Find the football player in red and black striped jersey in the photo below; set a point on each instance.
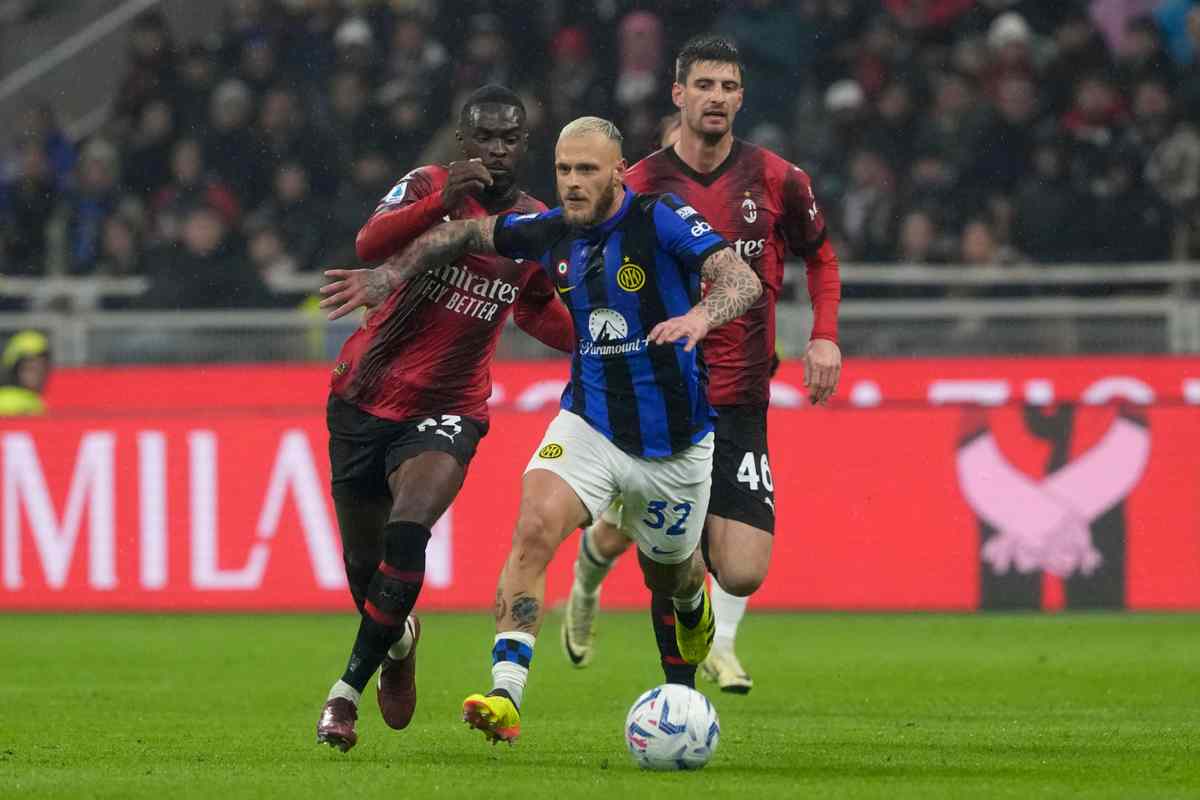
(408, 397)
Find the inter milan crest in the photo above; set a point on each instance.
(631, 277)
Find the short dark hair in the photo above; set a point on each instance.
(490, 94)
(706, 47)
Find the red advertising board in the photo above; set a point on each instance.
(950, 484)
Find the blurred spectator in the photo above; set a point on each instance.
(893, 131)
(204, 269)
(372, 175)
(920, 241)
(351, 123)
(933, 186)
(1047, 208)
(26, 364)
(868, 207)
(405, 129)
(198, 75)
(38, 123)
(487, 55)
(26, 206)
(270, 257)
(951, 127)
(1094, 124)
(1005, 141)
(1174, 172)
(246, 20)
(1079, 52)
(1131, 222)
(837, 132)
(230, 148)
(768, 33)
(574, 81)
(190, 185)
(151, 71)
(1142, 55)
(309, 52)
(979, 247)
(148, 155)
(418, 65)
(1010, 44)
(296, 213)
(258, 65)
(74, 237)
(284, 134)
(354, 48)
(641, 66)
(121, 247)
(924, 16)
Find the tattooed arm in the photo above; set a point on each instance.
(733, 288)
(352, 288)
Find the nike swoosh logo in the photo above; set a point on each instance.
(561, 290)
(571, 654)
(655, 549)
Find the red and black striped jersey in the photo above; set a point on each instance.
(441, 363)
(763, 205)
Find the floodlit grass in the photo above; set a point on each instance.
(1095, 706)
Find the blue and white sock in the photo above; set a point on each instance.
(511, 655)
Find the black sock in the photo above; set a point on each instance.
(390, 598)
(662, 617)
(358, 574)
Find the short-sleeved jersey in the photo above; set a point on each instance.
(762, 205)
(619, 279)
(442, 363)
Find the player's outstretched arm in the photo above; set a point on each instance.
(353, 288)
(733, 288)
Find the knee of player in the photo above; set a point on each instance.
(741, 582)
(534, 539)
(414, 509)
(607, 541)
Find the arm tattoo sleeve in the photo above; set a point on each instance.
(733, 287)
(442, 245)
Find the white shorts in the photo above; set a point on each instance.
(665, 499)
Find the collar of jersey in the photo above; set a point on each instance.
(606, 227)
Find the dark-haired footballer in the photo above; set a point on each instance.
(764, 206)
(408, 397)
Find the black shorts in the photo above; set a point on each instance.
(365, 449)
(743, 488)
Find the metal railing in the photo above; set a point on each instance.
(1160, 315)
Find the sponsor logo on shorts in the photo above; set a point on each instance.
(552, 450)
(631, 277)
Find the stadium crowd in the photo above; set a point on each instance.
(936, 131)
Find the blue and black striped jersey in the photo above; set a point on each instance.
(620, 279)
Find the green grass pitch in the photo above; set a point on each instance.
(845, 706)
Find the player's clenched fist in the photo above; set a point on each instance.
(464, 178)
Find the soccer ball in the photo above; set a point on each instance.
(672, 727)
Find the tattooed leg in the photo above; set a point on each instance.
(550, 511)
